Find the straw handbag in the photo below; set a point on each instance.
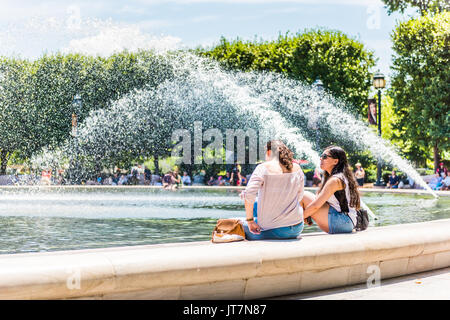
(228, 230)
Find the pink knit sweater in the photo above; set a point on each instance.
(278, 197)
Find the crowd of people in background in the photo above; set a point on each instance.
(232, 176)
(172, 179)
(441, 179)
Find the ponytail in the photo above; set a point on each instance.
(285, 155)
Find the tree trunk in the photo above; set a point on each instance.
(437, 157)
(98, 168)
(4, 157)
(156, 165)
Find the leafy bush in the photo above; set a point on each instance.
(309, 173)
(342, 63)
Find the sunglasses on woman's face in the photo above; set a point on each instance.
(324, 156)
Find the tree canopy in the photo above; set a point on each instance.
(36, 97)
(420, 84)
(422, 6)
(342, 63)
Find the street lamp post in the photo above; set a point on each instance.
(379, 83)
(77, 105)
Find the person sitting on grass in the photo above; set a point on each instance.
(211, 181)
(227, 179)
(168, 181)
(359, 174)
(441, 170)
(243, 181)
(446, 182)
(176, 179)
(186, 179)
(324, 208)
(436, 182)
(394, 180)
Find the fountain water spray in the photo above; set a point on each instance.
(292, 95)
(260, 95)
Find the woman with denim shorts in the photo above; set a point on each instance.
(324, 208)
(272, 196)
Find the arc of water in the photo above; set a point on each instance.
(241, 96)
(343, 124)
(239, 93)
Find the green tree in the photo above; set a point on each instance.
(422, 6)
(36, 97)
(342, 63)
(56, 79)
(14, 131)
(421, 82)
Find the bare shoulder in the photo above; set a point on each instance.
(335, 183)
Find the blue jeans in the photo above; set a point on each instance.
(339, 222)
(290, 232)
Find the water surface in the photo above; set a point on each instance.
(49, 219)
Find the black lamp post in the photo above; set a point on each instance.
(379, 83)
(77, 105)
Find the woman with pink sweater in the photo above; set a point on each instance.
(272, 196)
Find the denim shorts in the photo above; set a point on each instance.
(339, 222)
(290, 232)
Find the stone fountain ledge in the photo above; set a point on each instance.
(362, 190)
(240, 270)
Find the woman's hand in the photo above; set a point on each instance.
(308, 221)
(253, 227)
(330, 187)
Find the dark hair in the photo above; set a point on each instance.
(344, 167)
(285, 155)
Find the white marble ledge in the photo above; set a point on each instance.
(240, 270)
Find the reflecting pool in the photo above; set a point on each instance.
(50, 219)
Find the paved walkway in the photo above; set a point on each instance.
(431, 285)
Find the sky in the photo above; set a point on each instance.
(30, 28)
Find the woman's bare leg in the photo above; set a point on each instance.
(321, 215)
(308, 197)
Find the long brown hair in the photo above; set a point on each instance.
(343, 166)
(285, 155)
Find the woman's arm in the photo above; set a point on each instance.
(252, 225)
(250, 193)
(301, 190)
(332, 185)
(254, 184)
